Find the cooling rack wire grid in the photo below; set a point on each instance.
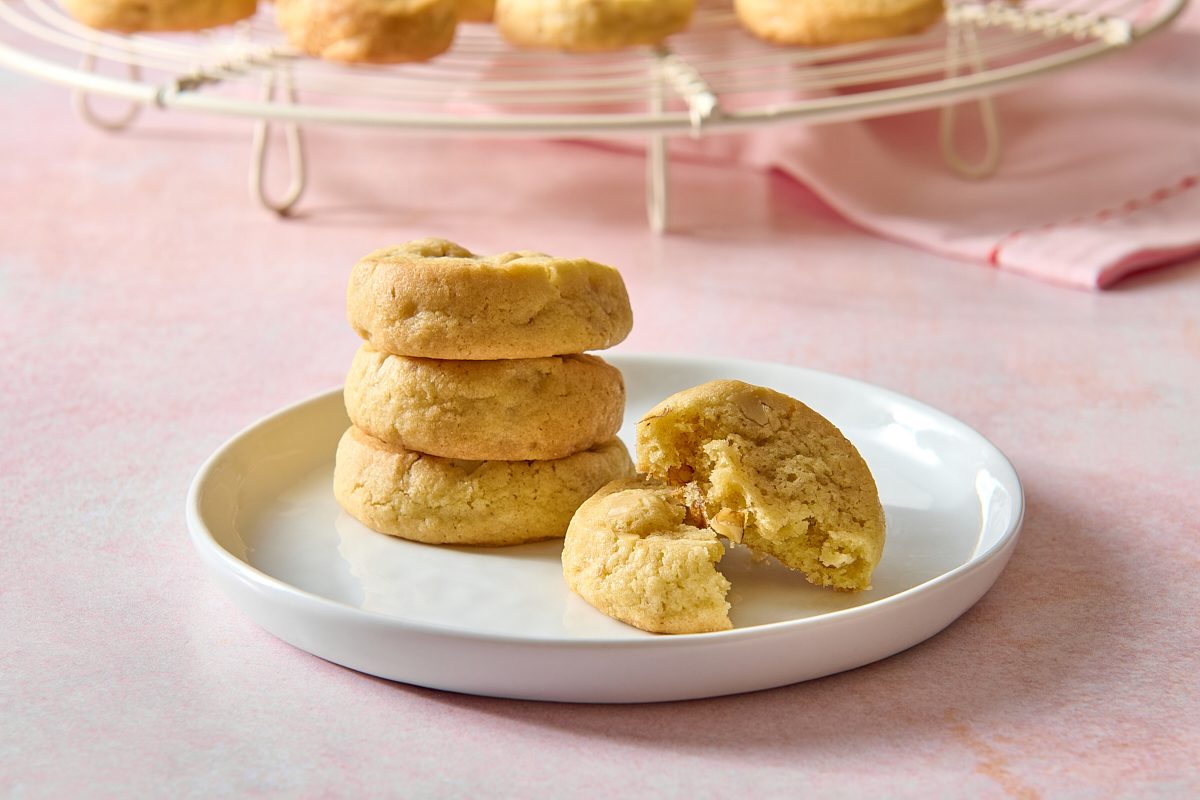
(712, 78)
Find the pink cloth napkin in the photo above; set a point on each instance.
(1100, 174)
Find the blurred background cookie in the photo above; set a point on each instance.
(133, 16)
(590, 25)
(476, 10)
(449, 501)
(516, 409)
(369, 31)
(434, 299)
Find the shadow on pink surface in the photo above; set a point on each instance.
(1012, 675)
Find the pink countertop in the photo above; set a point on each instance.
(148, 310)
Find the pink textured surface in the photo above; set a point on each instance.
(148, 310)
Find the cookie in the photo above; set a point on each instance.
(510, 410)
(476, 10)
(433, 299)
(590, 25)
(767, 471)
(133, 16)
(631, 554)
(823, 22)
(369, 31)
(449, 501)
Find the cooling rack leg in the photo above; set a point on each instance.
(657, 186)
(81, 100)
(293, 138)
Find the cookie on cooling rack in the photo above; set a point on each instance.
(431, 298)
(369, 31)
(590, 25)
(764, 470)
(508, 409)
(825, 22)
(135, 16)
(476, 10)
(486, 503)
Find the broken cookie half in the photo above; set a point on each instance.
(764, 469)
(726, 459)
(630, 552)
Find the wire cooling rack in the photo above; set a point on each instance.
(712, 78)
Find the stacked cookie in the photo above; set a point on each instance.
(477, 419)
(822, 22)
(476, 10)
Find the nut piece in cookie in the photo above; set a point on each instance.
(590, 25)
(827, 22)
(764, 469)
(369, 31)
(434, 299)
(631, 554)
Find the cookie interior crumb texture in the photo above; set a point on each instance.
(765, 470)
(630, 552)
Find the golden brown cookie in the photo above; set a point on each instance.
(133, 16)
(767, 471)
(590, 25)
(369, 31)
(476, 10)
(448, 501)
(630, 553)
(433, 299)
(823, 22)
(509, 410)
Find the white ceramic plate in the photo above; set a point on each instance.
(502, 622)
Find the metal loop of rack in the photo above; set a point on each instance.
(711, 79)
(294, 139)
(81, 99)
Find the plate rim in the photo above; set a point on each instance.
(208, 547)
